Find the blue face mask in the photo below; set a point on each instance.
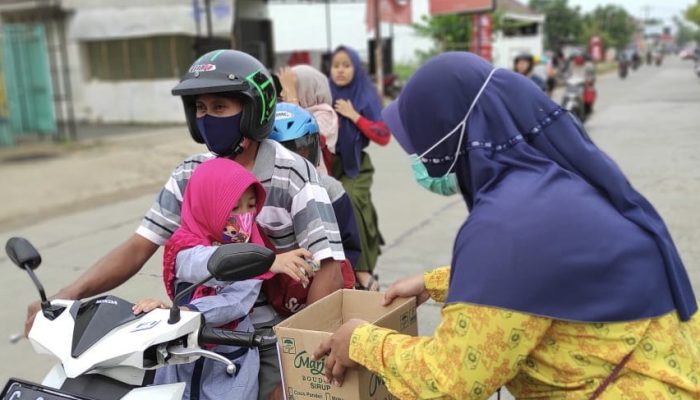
(445, 185)
(221, 134)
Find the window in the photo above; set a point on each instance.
(139, 58)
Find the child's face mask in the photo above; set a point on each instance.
(238, 228)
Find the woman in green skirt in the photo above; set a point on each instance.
(359, 108)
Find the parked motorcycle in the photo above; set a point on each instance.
(104, 350)
(392, 86)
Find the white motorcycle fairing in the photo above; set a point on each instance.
(120, 354)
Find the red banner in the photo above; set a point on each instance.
(391, 11)
(482, 29)
(460, 6)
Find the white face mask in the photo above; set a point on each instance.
(461, 127)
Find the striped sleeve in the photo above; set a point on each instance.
(315, 223)
(298, 212)
(163, 218)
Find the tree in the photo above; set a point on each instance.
(450, 32)
(613, 23)
(563, 24)
(685, 33)
(692, 13)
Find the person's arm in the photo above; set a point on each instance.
(288, 81)
(112, 270)
(375, 131)
(124, 261)
(120, 264)
(347, 224)
(475, 350)
(316, 229)
(436, 283)
(234, 301)
(327, 280)
(192, 265)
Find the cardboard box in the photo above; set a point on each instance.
(299, 335)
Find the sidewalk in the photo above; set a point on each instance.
(90, 172)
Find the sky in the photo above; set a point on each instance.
(664, 9)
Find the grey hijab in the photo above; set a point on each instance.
(312, 86)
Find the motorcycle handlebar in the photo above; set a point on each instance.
(209, 335)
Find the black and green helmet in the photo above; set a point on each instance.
(231, 72)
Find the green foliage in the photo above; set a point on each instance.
(613, 23)
(563, 24)
(685, 33)
(692, 13)
(449, 32)
(404, 71)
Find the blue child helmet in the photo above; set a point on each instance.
(297, 130)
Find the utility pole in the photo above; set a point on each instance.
(378, 50)
(329, 42)
(207, 5)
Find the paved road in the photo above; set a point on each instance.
(647, 123)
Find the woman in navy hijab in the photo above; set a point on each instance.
(359, 108)
(564, 283)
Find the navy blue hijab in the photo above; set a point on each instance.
(555, 229)
(363, 96)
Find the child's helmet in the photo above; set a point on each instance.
(297, 130)
(231, 72)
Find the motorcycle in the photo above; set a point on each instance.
(104, 351)
(579, 97)
(697, 67)
(658, 58)
(636, 61)
(622, 68)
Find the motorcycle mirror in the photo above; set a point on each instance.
(25, 256)
(240, 261)
(22, 253)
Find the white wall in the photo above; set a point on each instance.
(131, 102)
(296, 27)
(506, 48)
(303, 27)
(142, 101)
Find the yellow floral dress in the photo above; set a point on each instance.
(477, 349)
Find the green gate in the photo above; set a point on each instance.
(28, 97)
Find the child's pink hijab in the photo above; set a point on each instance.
(211, 193)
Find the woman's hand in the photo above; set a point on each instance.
(345, 108)
(413, 286)
(337, 348)
(288, 80)
(294, 264)
(147, 305)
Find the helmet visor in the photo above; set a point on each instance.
(307, 146)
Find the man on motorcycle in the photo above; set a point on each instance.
(582, 73)
(297, 215)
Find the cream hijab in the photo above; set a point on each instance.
(314, 94)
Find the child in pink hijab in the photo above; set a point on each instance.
(219, 207)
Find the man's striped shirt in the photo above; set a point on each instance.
(297, 211)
